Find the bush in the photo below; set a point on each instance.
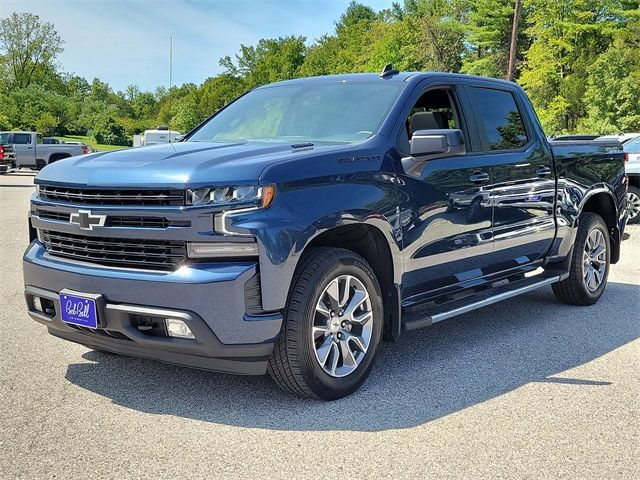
(109, 132)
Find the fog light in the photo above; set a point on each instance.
(177, 328)
(222, 250)
(37, 304)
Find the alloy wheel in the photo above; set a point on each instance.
(633, 205)
(342, 325)
(594, 265)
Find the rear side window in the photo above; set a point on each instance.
(21, 139)
(500, 121)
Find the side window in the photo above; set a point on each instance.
(21, 139)
(435, 109)
(39, 139)
(500, 121)
(633, 146)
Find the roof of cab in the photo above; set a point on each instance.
(397, 78)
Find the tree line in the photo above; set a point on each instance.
(579, 61)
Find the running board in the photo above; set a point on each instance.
(425, 317)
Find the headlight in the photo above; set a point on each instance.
(242, 195)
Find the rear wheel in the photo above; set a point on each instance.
(589, 263)
(333, 325)
(633, 204)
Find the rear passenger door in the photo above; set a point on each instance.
(523, 191)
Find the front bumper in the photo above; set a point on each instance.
(210, 298)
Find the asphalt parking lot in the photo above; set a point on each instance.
(526, 388)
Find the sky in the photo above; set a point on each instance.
(126, 42)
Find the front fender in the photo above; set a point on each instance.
(304, 210)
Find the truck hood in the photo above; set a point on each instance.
(177, 165)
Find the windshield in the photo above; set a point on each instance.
(330, 112)
(4, 138)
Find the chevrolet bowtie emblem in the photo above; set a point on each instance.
(86, 220)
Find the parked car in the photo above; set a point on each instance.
(29, 150)
(632, 149)
(309, 219)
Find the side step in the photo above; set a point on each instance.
(424, 316)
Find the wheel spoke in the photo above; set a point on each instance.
(357, 341)
(322, 309)
(324, 350)
(346, 292)
(599, 250)
(334, 358)
(597, 277)
(333, 292)
(358, 299)
(362, 318)
(319, 330)
(348, 360)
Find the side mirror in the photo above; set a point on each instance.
(442, 142)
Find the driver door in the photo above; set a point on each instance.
(446, 212)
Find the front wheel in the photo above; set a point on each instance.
(589, 263)
(333, 326)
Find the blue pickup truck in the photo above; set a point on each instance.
(310, 219)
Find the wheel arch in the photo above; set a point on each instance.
(54, 157)
(368, 241)
(602, 202)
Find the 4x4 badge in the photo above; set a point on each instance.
(86, 220)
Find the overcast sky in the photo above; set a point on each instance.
(126, 42)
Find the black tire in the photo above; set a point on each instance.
(633, 192)
(475, 210)
(573, 290)
(294, 365)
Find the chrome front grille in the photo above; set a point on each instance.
(93, 196)
(162, 255)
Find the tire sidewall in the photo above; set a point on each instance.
(321, 382)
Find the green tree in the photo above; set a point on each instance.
(108, 131)
(47, 124)
(29, 48)
(613, 90)
(489, 36)
(269, 61)
(186, 116)
(567, 38)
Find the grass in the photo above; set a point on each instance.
(91, 142)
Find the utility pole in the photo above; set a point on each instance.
(514, 41)
(170, 79)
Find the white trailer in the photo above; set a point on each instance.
(154, 137)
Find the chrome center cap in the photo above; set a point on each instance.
(334, 326)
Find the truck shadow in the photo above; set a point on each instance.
(425, 375)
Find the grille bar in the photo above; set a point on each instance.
(113, 196)
(132, 253)
(112, 221)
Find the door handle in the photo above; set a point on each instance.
(543, 171)
(29, 148)
(479, 177)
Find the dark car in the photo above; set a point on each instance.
(308, 220)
